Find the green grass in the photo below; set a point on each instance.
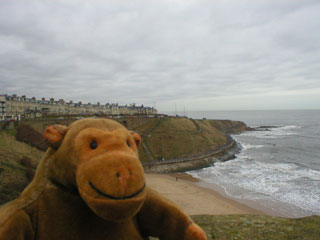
(179, 137)
(11, 132)
(252, 227)
(167, 138)
(13, 176)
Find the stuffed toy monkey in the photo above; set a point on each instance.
(90, 185)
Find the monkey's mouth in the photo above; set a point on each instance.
(114, 197)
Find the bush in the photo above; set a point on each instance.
(30, 136)
(26, 162)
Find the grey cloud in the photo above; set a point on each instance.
(158, 51)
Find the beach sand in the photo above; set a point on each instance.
(183, 190)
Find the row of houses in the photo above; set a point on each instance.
(17, 107)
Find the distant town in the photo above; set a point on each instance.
(17, 107)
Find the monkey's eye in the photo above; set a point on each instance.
(128, 143)
(93, 144)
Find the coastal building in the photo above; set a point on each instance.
(17, 107)
(2, 107)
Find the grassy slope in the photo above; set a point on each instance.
(259, 227)
(171, 133)
(171, 137)
(253, 227)
(168, 138)
(179, 137)
(13, 175)
(227, 126)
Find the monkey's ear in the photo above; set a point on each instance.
(54, 135)
(136, 137)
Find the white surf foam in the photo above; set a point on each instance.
(257, 174)
(287, 183)
(248, 146)
(276, 132)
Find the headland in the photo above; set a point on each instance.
(171, 141)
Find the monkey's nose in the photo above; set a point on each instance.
(123, 176)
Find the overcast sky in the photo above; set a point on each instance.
(201, 54)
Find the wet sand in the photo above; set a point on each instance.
(194, 199)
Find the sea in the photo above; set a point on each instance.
(278, 167)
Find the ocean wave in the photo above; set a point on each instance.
(290, 127)
(248, 146)
(273, 132)
(287, 183)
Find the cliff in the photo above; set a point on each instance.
(228, 126)
(191, 143)
(176, 138)
(169, 138)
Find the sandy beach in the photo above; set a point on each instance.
(193, 199)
